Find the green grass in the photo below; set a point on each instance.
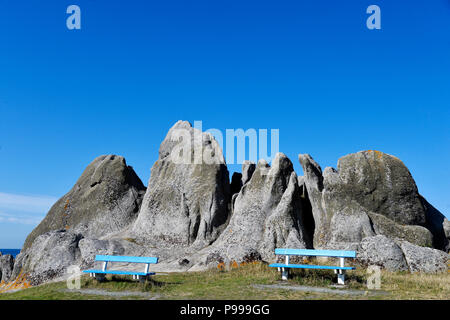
(238, 284)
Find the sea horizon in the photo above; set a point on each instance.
(13, 252)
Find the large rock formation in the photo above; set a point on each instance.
(105, 200)
(267, 214)
(370, 193)
(49, 256)
(192, 219)
(421, 259)
(187, 199)
(381, 251)
(396, 254)
(381, 183)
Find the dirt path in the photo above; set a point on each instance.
(117, 294)
(320, 290)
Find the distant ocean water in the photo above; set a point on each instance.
(13, 252)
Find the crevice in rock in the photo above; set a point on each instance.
(307, 216)
(95, 183)
(236, 183)
(434, 220)
(372, 227)
(195, 229)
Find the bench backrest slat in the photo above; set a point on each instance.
(126, 259)
(321, 253)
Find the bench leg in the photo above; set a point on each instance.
(142, 279)
(284, 273)
(341, 277)
(341, 273)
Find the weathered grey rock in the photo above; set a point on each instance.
(49, 256)
(105, 199)
(192, 219)
(370, 193)
(18, 262)
(421, 259)
(381, 251)
(267, 214)
(381, 183)
(446, 227)
(285, 227)
(349, 227)
(233, 200)
(186, 202)
(435, 222)
(248, 168)
(313, 181)
(301, 181)
(89, 248)
(415, 234)
(340, 222)
(397, 254)
(6, 267)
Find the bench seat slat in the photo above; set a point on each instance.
(122, 272)
(126, 259)
(309, 266)
(321, 253)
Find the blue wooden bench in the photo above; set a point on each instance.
(340, 270)
(142, 276)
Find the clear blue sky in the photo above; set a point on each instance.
(308, 68)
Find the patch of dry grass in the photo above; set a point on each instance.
(238, 283)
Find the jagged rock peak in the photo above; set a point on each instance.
(267, 214)
(185, 144)
(104, 200)
(248, 168)
(383, 184)
(370, 193)
(187, 199)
